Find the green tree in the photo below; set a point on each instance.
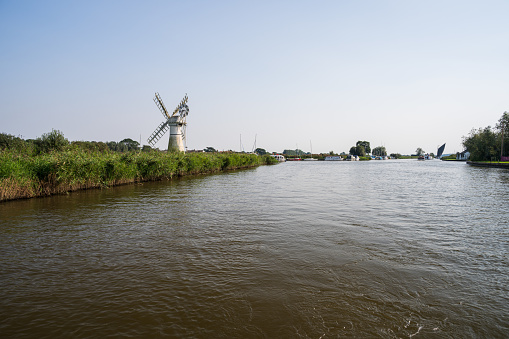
(503, 129)
(503, 122)
(379, 151)
(112, 145)
(358, 150)
(292, 152)
(366, 145)
(210, 149)
(260, 151)
(419, 151)
(129, 144)
(482, 144)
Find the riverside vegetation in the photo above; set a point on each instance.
(53, 165)
(489, 144)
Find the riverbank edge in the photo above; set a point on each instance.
(27, 187)
(488, 164)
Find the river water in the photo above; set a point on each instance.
(389, 249)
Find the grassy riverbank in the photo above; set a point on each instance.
(27, 176)
(501, 164)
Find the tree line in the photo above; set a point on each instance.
(489, 143)
(55, 141)
(362, 148)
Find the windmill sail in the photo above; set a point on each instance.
(160, 105)
(440, 151)
(158, 133)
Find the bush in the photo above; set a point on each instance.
(48, 142)
(90, 146)
(11, 143)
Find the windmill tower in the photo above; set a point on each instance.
(176, 123)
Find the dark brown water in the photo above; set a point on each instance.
(390, 249)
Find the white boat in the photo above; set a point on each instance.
(278, 157)
(352, 158)
(425, 157)
(333, 158)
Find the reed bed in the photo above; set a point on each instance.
(27, 176)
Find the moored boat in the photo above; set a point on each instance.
(278, 157)
(425, 157)
(310, 158)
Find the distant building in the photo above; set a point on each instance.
(463, 155)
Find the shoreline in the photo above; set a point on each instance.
(27, 177)
(488, 164)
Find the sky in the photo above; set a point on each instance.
(313, 75)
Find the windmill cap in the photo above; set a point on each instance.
(175, 118)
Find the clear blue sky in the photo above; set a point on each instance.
(403, 74)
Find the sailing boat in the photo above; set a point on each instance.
(440, 151)
(310, 159)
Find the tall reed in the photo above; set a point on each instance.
(26, 176)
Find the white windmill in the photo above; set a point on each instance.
(176, 123)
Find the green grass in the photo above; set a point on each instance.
(25, 176)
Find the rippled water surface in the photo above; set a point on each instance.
(390, 249)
